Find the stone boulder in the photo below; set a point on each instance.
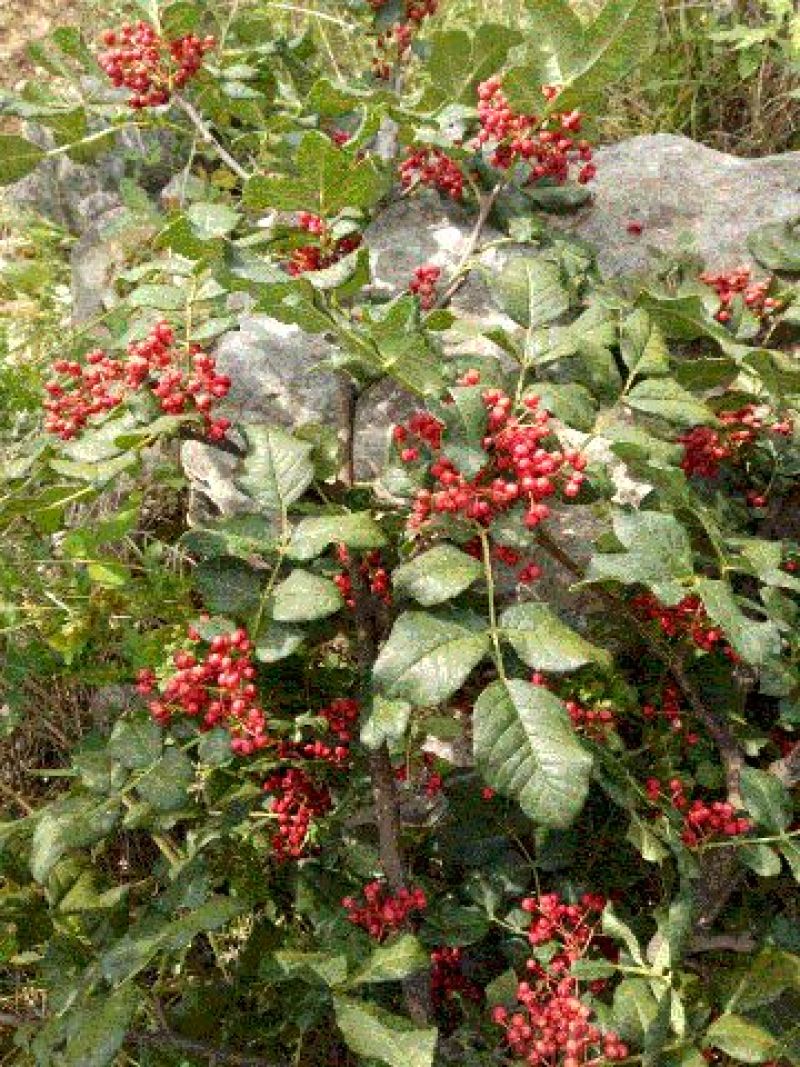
(685, 196)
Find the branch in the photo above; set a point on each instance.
(206, 135)
(460, 274)
(225, 444)
(787, 769)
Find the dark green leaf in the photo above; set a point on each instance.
(305, 597)
(544, 642)
(526, 748)
(376, 1034)
(437, 575)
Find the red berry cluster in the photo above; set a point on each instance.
(215, 687)
(686, 620)
(552, 1026)
(423, 285)
(669, 709)
(433, 167)
(372, 569)
(328, 251)
(382, 913)
(738, 282)
(152, 67)
(448, 981)
(340, 715)
(181, 379)
(596, 723)
(81, 392)
(527, 573)
(296, 801)
(429, 779)
(546, 144)
(400, 36)
(519, 469)
(701, 821)
(705, 448)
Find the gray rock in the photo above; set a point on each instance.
(677, 189)
(99, 255)
(74, 195)
(684, 195)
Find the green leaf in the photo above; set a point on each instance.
(766, 799)
(760, 858)
(658, 554)
(756, 642)
(525, 748)
(741, 1039)
(614, 927)
(544, 642)
(305, 597)
(642, 345)
(277, 469)
(276, 641)
(211, 221)
(331, 970)
(571, 403)
(99, 1030)
(158, 297)
(777, 246)
(18, 157)
(635, 1009)
(458, 61)
(386, 722)
(530, 291)
(670, 401)
(357, 530)
(135, 743)
(378, 1035)
(437, 575)
(165, 787)
(153, 935)
(767, 978)
(70, 823)
(228, 585)
(790, 851)
(392, 963)
(685, 318)
(427, 657)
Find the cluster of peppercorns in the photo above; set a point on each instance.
(381, 912)
(738, 282)
(181, 379)
(429, 778)
(519, 469)
(400, 36)
(596, 723)
(297, 799)
(552, 1026)
(526, 572)
(215, 687)
(702, 821)
(340, 715)
(546, 144)
(152, 67)
(687, 620)
(371, 568)
(706, 448)
(448, 981)
(82, 391)
(434, 168)
(423, 285)
(325, 253)
(669, 709)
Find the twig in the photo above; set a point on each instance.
(460, 273)
(206, 135)
(723, 943)
(787, 769)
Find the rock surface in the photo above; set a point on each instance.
(685, 196)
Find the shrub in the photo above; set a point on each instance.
(279, 853)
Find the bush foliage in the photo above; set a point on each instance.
(385, 792)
